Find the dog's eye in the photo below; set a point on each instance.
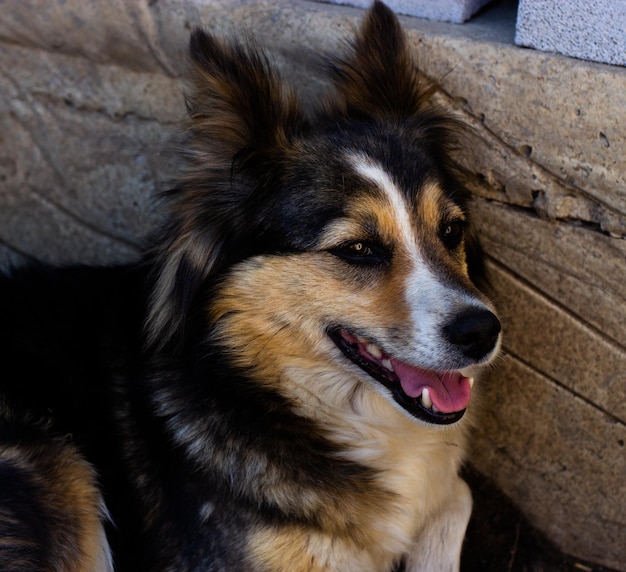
(361, 252)
(452, 233)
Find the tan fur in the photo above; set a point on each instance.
(273, 313)
(68, 488)
(285, 549)
(417, 464)
(382, 299)
(433, 211)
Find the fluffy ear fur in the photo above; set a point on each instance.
(239, 106)
(241, 118)
(378, 80)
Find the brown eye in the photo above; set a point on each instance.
(452, 233)
(362, 252)
(359, 249)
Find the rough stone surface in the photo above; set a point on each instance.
(90, 97)
(579, 28)
(456, 11)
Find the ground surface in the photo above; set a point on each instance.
(500, 539)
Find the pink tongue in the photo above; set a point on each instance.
(449, 391)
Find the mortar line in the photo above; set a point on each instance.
(573, 392)
(583, 321)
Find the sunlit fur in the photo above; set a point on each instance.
(226, 427)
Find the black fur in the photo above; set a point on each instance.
(122, 362)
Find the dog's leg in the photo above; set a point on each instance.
(438, 548)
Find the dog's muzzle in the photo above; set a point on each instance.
(438, 397)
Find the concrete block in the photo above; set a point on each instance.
(456, 11)
(579, 28)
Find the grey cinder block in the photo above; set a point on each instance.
(456, 11)
(590, 30)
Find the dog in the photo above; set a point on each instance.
(283, 382)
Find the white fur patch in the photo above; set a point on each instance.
(431, 301)
(377, 175)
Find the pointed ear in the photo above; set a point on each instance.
(238, 104)
(377, 78)
(241, 119)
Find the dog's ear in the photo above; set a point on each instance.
(241, 119)
(377, 79)
(239, 105)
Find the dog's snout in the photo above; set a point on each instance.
(475, 332)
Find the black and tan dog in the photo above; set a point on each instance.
(284, 383)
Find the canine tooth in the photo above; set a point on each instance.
(426, 401)
(374, 351)
(434, 408)
(471, 381)
(387, 364)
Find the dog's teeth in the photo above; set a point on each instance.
(374, 351)
(387, 364)
(361, 340)
(426, 401)
(434, 408)
(471, 381)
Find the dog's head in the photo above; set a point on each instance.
(329, 253)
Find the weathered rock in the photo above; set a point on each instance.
(90, 99)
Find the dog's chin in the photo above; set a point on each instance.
(436, 397)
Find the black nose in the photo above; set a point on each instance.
(474, 331)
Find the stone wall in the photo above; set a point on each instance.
(90, 97)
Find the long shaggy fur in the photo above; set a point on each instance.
(283, 382)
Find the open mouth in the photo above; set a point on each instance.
(439, 397)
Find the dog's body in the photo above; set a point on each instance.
(278, 386)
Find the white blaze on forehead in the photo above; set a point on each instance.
(377, 175)
(422, 286)
(431, 301)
